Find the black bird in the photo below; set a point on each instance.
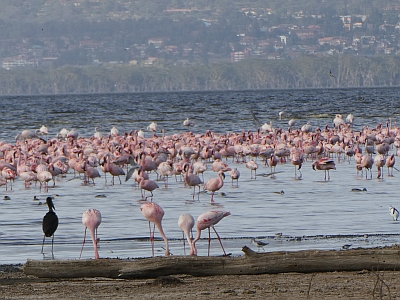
(49, 224)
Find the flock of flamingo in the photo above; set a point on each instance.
(35, 158)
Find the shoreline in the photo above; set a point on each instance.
(14, 284)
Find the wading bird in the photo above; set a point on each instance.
(207, 220)
(186, 224)
(154, 213)
(91, 219)
(49, 224)
(394, 213)
(324, 164)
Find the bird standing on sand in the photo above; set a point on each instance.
(207, 220)
(49, 224)
(394, 213)
(91, 219)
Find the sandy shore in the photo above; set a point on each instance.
(14, 284)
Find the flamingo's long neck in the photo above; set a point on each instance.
(159, 227)
(192, 249)
(94, 241)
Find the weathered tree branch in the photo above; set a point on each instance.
(251, 263)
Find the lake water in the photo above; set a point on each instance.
(311, 214)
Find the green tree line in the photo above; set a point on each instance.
(305, 72)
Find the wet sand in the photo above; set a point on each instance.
(14, 284)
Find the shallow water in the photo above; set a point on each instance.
(311, 214)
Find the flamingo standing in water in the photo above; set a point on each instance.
(192, 180)
(186, 223)
(390, 161)
(253, 166)
(215, 184)
(147, 185)
(235, 174)
(379, 162)
(324, 164)
(207, 220)
(154, 213)
(366, 162)
(91, 219)
(297, 160)
(49, 224)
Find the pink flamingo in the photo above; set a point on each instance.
(207, 220)
(192, 180)
(324, 164)
(219, 165)
(91, 219)
(379, 162)
(154, 213)
(297, 160)
(366, 162)
(44, 177)
(147, 164)
(147, 185)
(215, 184)
(390, 161)
(186, 223)
(9, 175)
(253, 166)
(27, 177)
(235, 174)
(199, 168)
(91, 172)
(113, 169)
(165, 170)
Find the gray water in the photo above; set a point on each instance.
(311, 214)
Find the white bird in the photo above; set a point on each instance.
(63, 133)
(97, 134)
(72, 134)
(350, 118)
(43, 130)
(267, 127)
(140, 133)
(394, 213)
(188, 123)
(152, 126)
(280, 115)
(338, 121)
(259, 244)
(306, 128)
(292, 122)
(114, 131)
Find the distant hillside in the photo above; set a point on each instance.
(25, 11)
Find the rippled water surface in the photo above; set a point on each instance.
(311, 214)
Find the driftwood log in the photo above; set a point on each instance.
(250, 264)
